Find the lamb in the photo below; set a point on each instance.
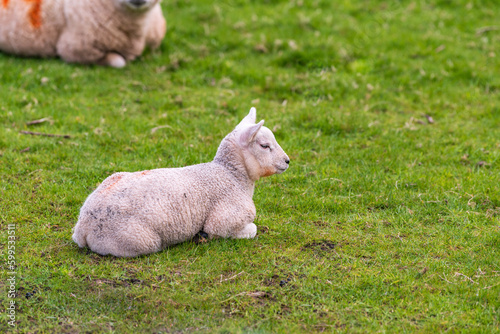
(132, 214)
(103, 32)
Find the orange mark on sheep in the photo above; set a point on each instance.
(268, 172)
(35, 13)
(114, 179)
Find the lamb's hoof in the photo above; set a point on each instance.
(200, 238)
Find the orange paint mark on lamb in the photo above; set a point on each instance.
(268, 172)
(115, 179)
(146, 172)
(35, 13)
(5, 3)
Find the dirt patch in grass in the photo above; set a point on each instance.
(271, 281)
(396, 237)
(379, 207)
(262, 230)
(26, 292)
(261, 295)
(321, 223)
(120, 282)
(320, 245)
(276, 280)
(232, 307)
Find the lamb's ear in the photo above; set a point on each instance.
(250, 118)
(248, 133)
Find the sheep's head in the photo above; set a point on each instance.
(136, 5)
(262, 153)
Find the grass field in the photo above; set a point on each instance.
(386, 221)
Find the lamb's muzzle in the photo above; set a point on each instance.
(131, 214)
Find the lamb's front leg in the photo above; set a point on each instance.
(232, 222)
(247, 232)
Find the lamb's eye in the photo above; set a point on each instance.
(264, 146)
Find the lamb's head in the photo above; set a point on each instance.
(262, 154)
(136, 5)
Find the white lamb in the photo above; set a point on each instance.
(104, 32)
(131, 214)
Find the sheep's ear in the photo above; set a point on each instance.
(250, 118)
(248, 134)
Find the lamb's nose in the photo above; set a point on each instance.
(287, 161)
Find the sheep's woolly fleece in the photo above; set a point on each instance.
(131, 214)
(104, 32)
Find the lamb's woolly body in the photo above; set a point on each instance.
(88, 31)
(138, 213)
(131, 214)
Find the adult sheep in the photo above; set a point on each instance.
(103, 32)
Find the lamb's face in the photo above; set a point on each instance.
(268, 153)
(262, 155)
(136, 5)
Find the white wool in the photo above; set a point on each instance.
(104, 32)
(131, 214)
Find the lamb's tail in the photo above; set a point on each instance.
(79, 236)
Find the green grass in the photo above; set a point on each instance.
(384, 221)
